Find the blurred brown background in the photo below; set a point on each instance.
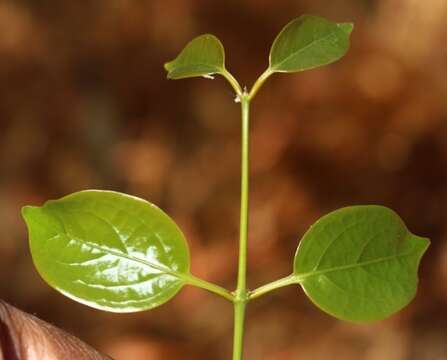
(84, 103)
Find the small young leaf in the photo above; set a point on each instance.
(202, 56)
(308, 42)
(359, 263)
(108, 250)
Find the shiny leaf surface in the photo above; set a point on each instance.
(359, 263)
(308, 42)
(202, 56)
(108, 250)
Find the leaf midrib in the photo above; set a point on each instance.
(166, 270)
(275, 67)
(301, 277)
(181, 67)
(134, 259)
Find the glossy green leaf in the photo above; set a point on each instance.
(308, 42)
(359, 263)
(108, 250)
(202, 56)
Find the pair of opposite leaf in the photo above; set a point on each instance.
(120, 253)
(303, 44)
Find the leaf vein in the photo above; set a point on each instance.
(303, 276)
(297, 52)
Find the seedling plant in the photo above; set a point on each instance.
(120, 253)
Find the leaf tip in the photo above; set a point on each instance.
(28, 211)
(346, 27)
(426, 242)
(167, 66)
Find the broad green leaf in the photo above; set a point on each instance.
(202, 56)
(308, 42)
(108, 250)
(359, 263)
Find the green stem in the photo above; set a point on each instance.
(233, 82)
(243, 235)
(239, 319)
(288, 280)
(241, 293)
(203, 284)
(259, 82)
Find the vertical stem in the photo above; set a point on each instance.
(239, 319)
(243, 235)
(241, 294)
